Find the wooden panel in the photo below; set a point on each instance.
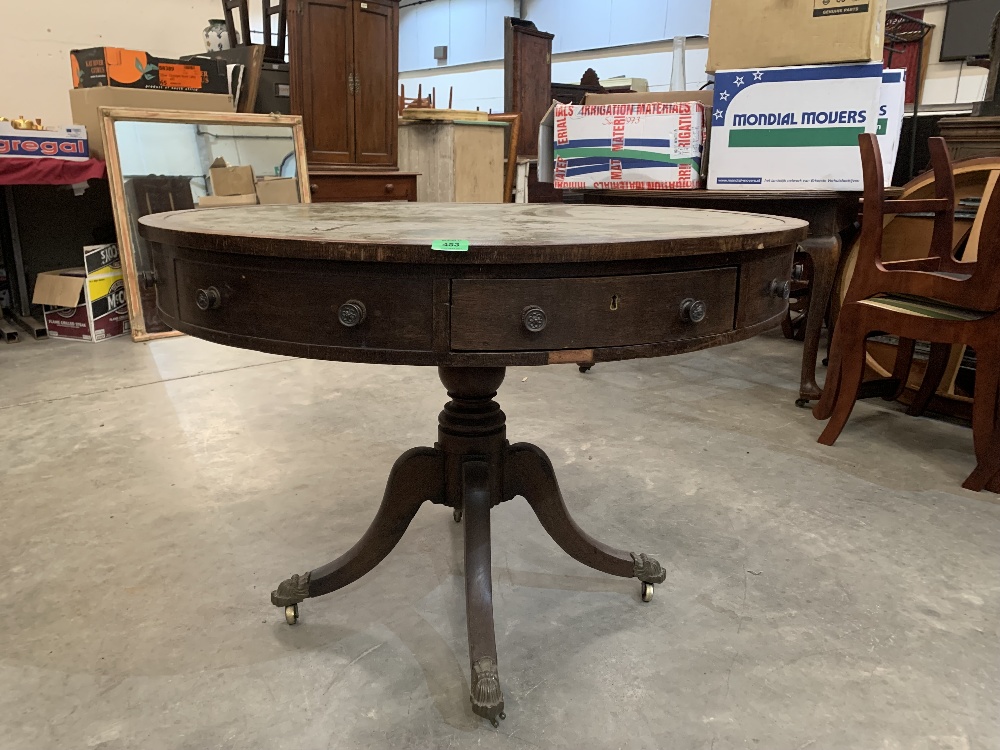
(322, 55)
(346, 187)
(757, 301)
(479, 164)
(302, 306)
(375, 65)
(589, 312)
(527, 79)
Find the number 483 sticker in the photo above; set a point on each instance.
(451, 246)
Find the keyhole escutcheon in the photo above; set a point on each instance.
(614, 301)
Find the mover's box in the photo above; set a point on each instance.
(86, 303)
(771, 33)
(793, 128)
(129, 68)
(84, 104)
(892, 106)
(277, 190)
(52, 143)
(227, 180)
(643, 143)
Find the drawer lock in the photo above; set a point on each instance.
(693, 310)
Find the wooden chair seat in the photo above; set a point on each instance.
(923, 308)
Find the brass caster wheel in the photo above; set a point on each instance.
(457, 515)
(802, 403)
(292, 614)
(647, 592)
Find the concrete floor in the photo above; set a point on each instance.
(153, 495)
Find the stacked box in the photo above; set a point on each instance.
(86, 304)
(69, 144)
(793, 128)
(637, 146)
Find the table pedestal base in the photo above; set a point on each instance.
(471, 469)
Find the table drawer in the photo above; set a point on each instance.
(588, 313)
(327, 188)
(306, 307)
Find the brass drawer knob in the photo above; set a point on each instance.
(208, 299)
(693, 310)
(781, 289)
(314, 188)
(352, 313)
(390, 188)
(534, 319)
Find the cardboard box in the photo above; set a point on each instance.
(793, 128)
(775, 33)
(129, 68)
(87, 304)
(623, 142)
(84, 104)
(217, 201)
(227, 180)
(892, 107)
(274, 191)
(69, 143)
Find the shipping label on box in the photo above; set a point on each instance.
(892, 106)
(793, 128)
(646, 146)
(69, 144)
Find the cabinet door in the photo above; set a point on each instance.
(322, 63)
(376, 60)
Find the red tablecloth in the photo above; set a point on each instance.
(44, 171)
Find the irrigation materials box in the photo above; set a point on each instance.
(69, 144)
(87, 304)
(793, 128)
(627, 146)
(772, 33)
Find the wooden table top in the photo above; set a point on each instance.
(495, 233)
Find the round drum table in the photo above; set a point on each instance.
(471, 289)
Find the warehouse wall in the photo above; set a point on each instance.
(947, 82)
(39, 35)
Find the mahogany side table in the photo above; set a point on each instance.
(471, 289)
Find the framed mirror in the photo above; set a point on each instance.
(168, 161)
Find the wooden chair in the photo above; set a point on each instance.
(938, 299)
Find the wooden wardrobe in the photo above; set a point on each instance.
(344, 62)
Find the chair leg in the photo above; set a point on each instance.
(901, 368)
(936, 367)
(985, 422)
(851, 371)
(824, 407)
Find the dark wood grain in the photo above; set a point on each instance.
(589, 313)
(527, 79)
(376, 30)
(348, 187)
(499, 233)
(757, 300)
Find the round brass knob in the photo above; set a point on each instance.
(534, 319)
(693, 310)
(389, 188)
(352, 313)
(781, 289)
(313, 188)
(208, 299)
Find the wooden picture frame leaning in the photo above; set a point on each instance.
(119, 200)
